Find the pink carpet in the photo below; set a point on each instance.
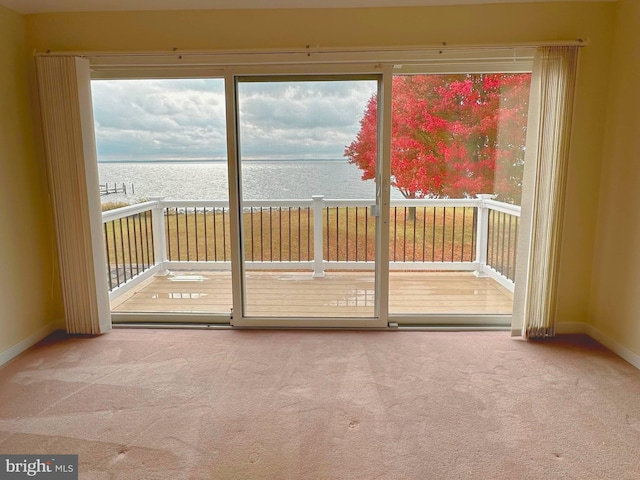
(195, 404)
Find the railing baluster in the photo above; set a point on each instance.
(300, 257)
(167, 236)
(494, 238)
(106, 244)
(147, 263)
(158, 212)
(261, 235)
(366, 234)
(195, 228)
(346, 234)
(433, 236)
(151, 254)
(444, 223)
(515, 247)
(215, 235)
(496, 264)
(137, 229)
(326, 217)
(453, 235)
(224, 236)
(309, 233)
(115, 251)
(129, 252)
(206, 234)
(289, 231)
(280, 231)
(508, 274)
(415, 215)
(395, 232)
(464, 240)
(337, 234)
(124, 261)
(186, 231)
(177, 234)
(504, 217)
(424, 232)
(404, 235)
(142, 218)
(142, 240)
(270, 234)
(474, 227)
(490, 215)
(138, 236)
(357, 236)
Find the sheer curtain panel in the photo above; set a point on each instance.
(68, 134)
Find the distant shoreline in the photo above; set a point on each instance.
(267, 160)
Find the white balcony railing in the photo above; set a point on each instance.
(318, 234)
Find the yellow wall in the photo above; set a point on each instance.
(230, 29)
(615, 307)
(29, 297)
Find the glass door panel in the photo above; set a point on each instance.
(164, 139)
(308, 224)
(457, 159)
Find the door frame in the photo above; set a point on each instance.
(382, 198)
(487, 58)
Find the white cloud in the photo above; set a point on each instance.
(174, 119)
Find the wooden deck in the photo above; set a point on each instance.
(339, 294)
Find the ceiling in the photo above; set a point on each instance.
(49, 6)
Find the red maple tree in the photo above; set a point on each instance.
(453, 136)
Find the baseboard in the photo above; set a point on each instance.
(613, 345)
(28, 342)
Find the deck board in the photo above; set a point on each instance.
(336, 295)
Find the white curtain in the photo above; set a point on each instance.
(67, 122)
(550, 119)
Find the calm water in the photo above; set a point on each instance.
(261, 180)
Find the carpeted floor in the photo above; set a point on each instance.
(178, 404)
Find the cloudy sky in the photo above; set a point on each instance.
(138, 120)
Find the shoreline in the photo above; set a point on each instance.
(206, 162)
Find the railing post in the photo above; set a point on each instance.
(159, 236)
(482, 234)
(318, 261)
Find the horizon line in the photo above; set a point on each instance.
(225, 160)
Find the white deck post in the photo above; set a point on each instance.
(482, 234)
(318, 262)
(159, 238)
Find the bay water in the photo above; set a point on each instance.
(261, 179)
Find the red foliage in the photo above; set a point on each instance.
(452, 135)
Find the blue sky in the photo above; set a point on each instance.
(138, 120)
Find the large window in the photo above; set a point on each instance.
(380, 192)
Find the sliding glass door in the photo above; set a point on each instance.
(358, 194)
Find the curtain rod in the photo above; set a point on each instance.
(308, 49)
